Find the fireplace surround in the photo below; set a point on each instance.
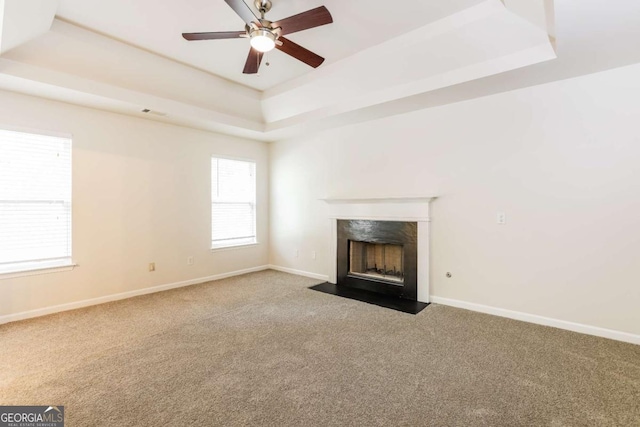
(383, 212)
(378, 256)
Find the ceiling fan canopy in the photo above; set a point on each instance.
(265, 35)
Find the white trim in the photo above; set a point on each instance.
(541, 320)
(240, 159)
(124, 295)
(426, 199)
(230, 248)
(381, 209)
(383, 218)
(300, 272)
(22, 129)
(423, 261)
(333, 252)
(33, 271)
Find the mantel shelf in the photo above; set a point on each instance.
(336, 200)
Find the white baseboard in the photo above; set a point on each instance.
(540, 320)
(300, 272)
(124, 295)
(526, 317)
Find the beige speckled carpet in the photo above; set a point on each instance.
(262, 350)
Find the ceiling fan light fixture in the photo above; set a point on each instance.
(263, 40)
(265, 35)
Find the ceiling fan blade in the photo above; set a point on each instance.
(300, 53)
(243, 10)
(253, 62)
(214, 36)
(305, 20)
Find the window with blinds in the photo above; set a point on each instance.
(233, 203)
(35, 201)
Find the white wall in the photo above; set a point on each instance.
(141, 194)
(562, 160)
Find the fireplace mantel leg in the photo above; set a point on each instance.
(423, 261)
(333, 252)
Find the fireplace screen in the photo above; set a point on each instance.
(377, 261)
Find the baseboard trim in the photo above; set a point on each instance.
(541, 320)
(323, 277)
(124, 295)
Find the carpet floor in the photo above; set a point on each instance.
(263, 350)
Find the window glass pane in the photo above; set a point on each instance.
(34, 231)
(34, 167)
(233, 195)
(234, 180)
(35, 198)
(232, 220)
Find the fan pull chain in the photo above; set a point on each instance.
(266, 61)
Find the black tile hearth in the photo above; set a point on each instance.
(387, 301)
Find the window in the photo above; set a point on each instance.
(233, 203)
(35, 201)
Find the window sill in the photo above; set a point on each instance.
(230, 248)
(36, 270)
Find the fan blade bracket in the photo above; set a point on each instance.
(220, 35)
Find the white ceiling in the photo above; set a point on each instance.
(382, 61)
(156, 25)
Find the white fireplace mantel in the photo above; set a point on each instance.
(411, 209)
(382, 208)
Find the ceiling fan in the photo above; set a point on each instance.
(265, 35)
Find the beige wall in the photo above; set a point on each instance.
(140, 195)
(561, 160)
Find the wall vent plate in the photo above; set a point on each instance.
(155, 113)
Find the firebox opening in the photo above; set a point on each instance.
(377, 261)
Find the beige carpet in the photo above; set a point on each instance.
(262, 350)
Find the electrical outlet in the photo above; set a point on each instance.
(190, 260)
(501, 218)
(152, 266)
(313, 255)
(297, 254)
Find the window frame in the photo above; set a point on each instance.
(35, 267)
(235, 246)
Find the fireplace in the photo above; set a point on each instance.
(366, 234)
(378, 256)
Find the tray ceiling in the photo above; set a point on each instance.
(156, 25)
(125, 56)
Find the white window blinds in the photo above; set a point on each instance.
(35, 201)
(233, 207)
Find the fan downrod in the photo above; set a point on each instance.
(263, 6)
